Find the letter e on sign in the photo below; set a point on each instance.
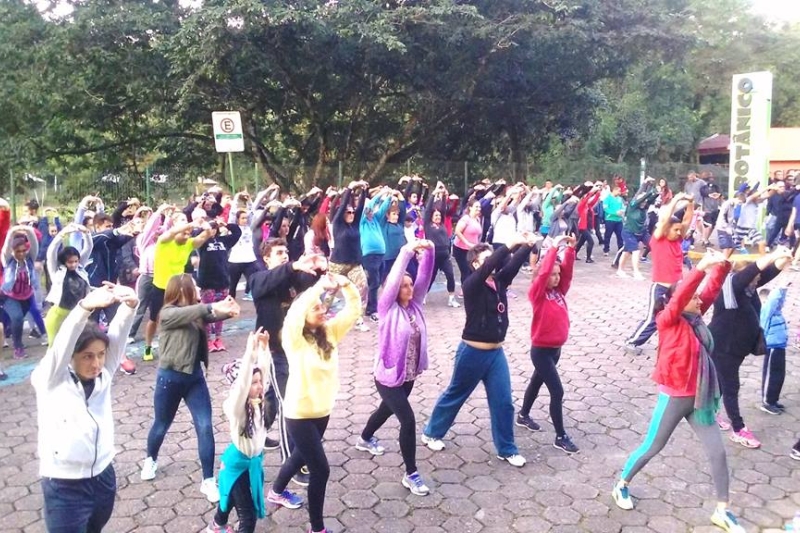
(228, 135)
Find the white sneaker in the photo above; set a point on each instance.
(155, 343)
(130, 340)
(622, 274)
(209, 488)
(361, 326)
(514, 460)
(435, 445)
(149, 469)
(638, 276)
(452, 302)
(622, 496)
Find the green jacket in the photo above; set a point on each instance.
(182, 336)
(636, 214)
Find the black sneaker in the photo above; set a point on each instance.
(780, 406)
(771, 409)
(34, 334)
(527, 422)
(3, 376)
(589, 260)
(566, 444)
(374, 317)
(271, 444)
(301, 478)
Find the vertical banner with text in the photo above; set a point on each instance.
(751, 116)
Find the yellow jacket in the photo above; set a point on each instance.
(313, 381)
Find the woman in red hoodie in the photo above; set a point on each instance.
(549, 332)
(687, 383)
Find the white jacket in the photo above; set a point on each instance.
(58, 272)
(76, 435)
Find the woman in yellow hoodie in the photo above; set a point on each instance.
(311, 341)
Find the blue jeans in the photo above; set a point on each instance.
(16, 310)
(471, 367)
(79, 505)
(171, 388)
(372, 263)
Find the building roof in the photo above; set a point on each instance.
(784, 144)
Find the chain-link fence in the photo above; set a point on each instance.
(177, 185)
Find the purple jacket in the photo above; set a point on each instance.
(395, 329)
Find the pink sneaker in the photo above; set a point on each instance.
(220, 345)
(212, 346)
(745, 438)
(19, 353)
(723, 424)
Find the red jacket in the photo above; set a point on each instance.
(678, 347)
(550, 322)
(585, 210)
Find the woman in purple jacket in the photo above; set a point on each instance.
(402, 356)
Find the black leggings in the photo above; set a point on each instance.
(394, 401)
(307, 436)
(586, 237)
(235, 271)
(443, 264)
(727, 367)
(460, 255)
(241, 499)
(545, 372)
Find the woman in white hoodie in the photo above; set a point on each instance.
(76, 424)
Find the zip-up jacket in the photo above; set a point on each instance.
(76, 434)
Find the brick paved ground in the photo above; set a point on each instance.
(609, 398)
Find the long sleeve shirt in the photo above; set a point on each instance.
(347, 236)
(238, 396)
(314, 379)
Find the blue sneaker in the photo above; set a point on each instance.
(247, 297)
(287, 499)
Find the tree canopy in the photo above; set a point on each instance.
(125, 84)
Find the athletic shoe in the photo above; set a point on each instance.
(638, 276)
(780, 406)
(248, 297)
(723, 424)
(212, 346)
(566, 444)
(771, 409)
(452, 302)
(209, 488)
(34, 334)
(644, 260)
(271, 444)
(746, 438)
(374, 317)
(326, 530)
(743, 250)
(372, 446)
(622, 496)
(130, 340)
(589, 260)
(622, 274)
(361, 326)
(214, 528)
(725, 520)
(795, 453)
(435, 445)
(19, 353)
(302, 477)
(514, 460)
(527, 422)
(149, 469)
(220, 345)
(127, 366)
(287, 499)
(633, 349)
(148, 353)
(605, 254)
(414, 483)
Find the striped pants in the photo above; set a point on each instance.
(647, 327)
(668, 412)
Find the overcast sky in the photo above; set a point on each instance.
(778, 9)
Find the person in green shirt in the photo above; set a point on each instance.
(613, 209)
(173, 249)
(634, 228)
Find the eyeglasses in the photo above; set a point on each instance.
(349, 212)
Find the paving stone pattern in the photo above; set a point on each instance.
(608, 402)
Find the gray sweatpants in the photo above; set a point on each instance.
(668, 412)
